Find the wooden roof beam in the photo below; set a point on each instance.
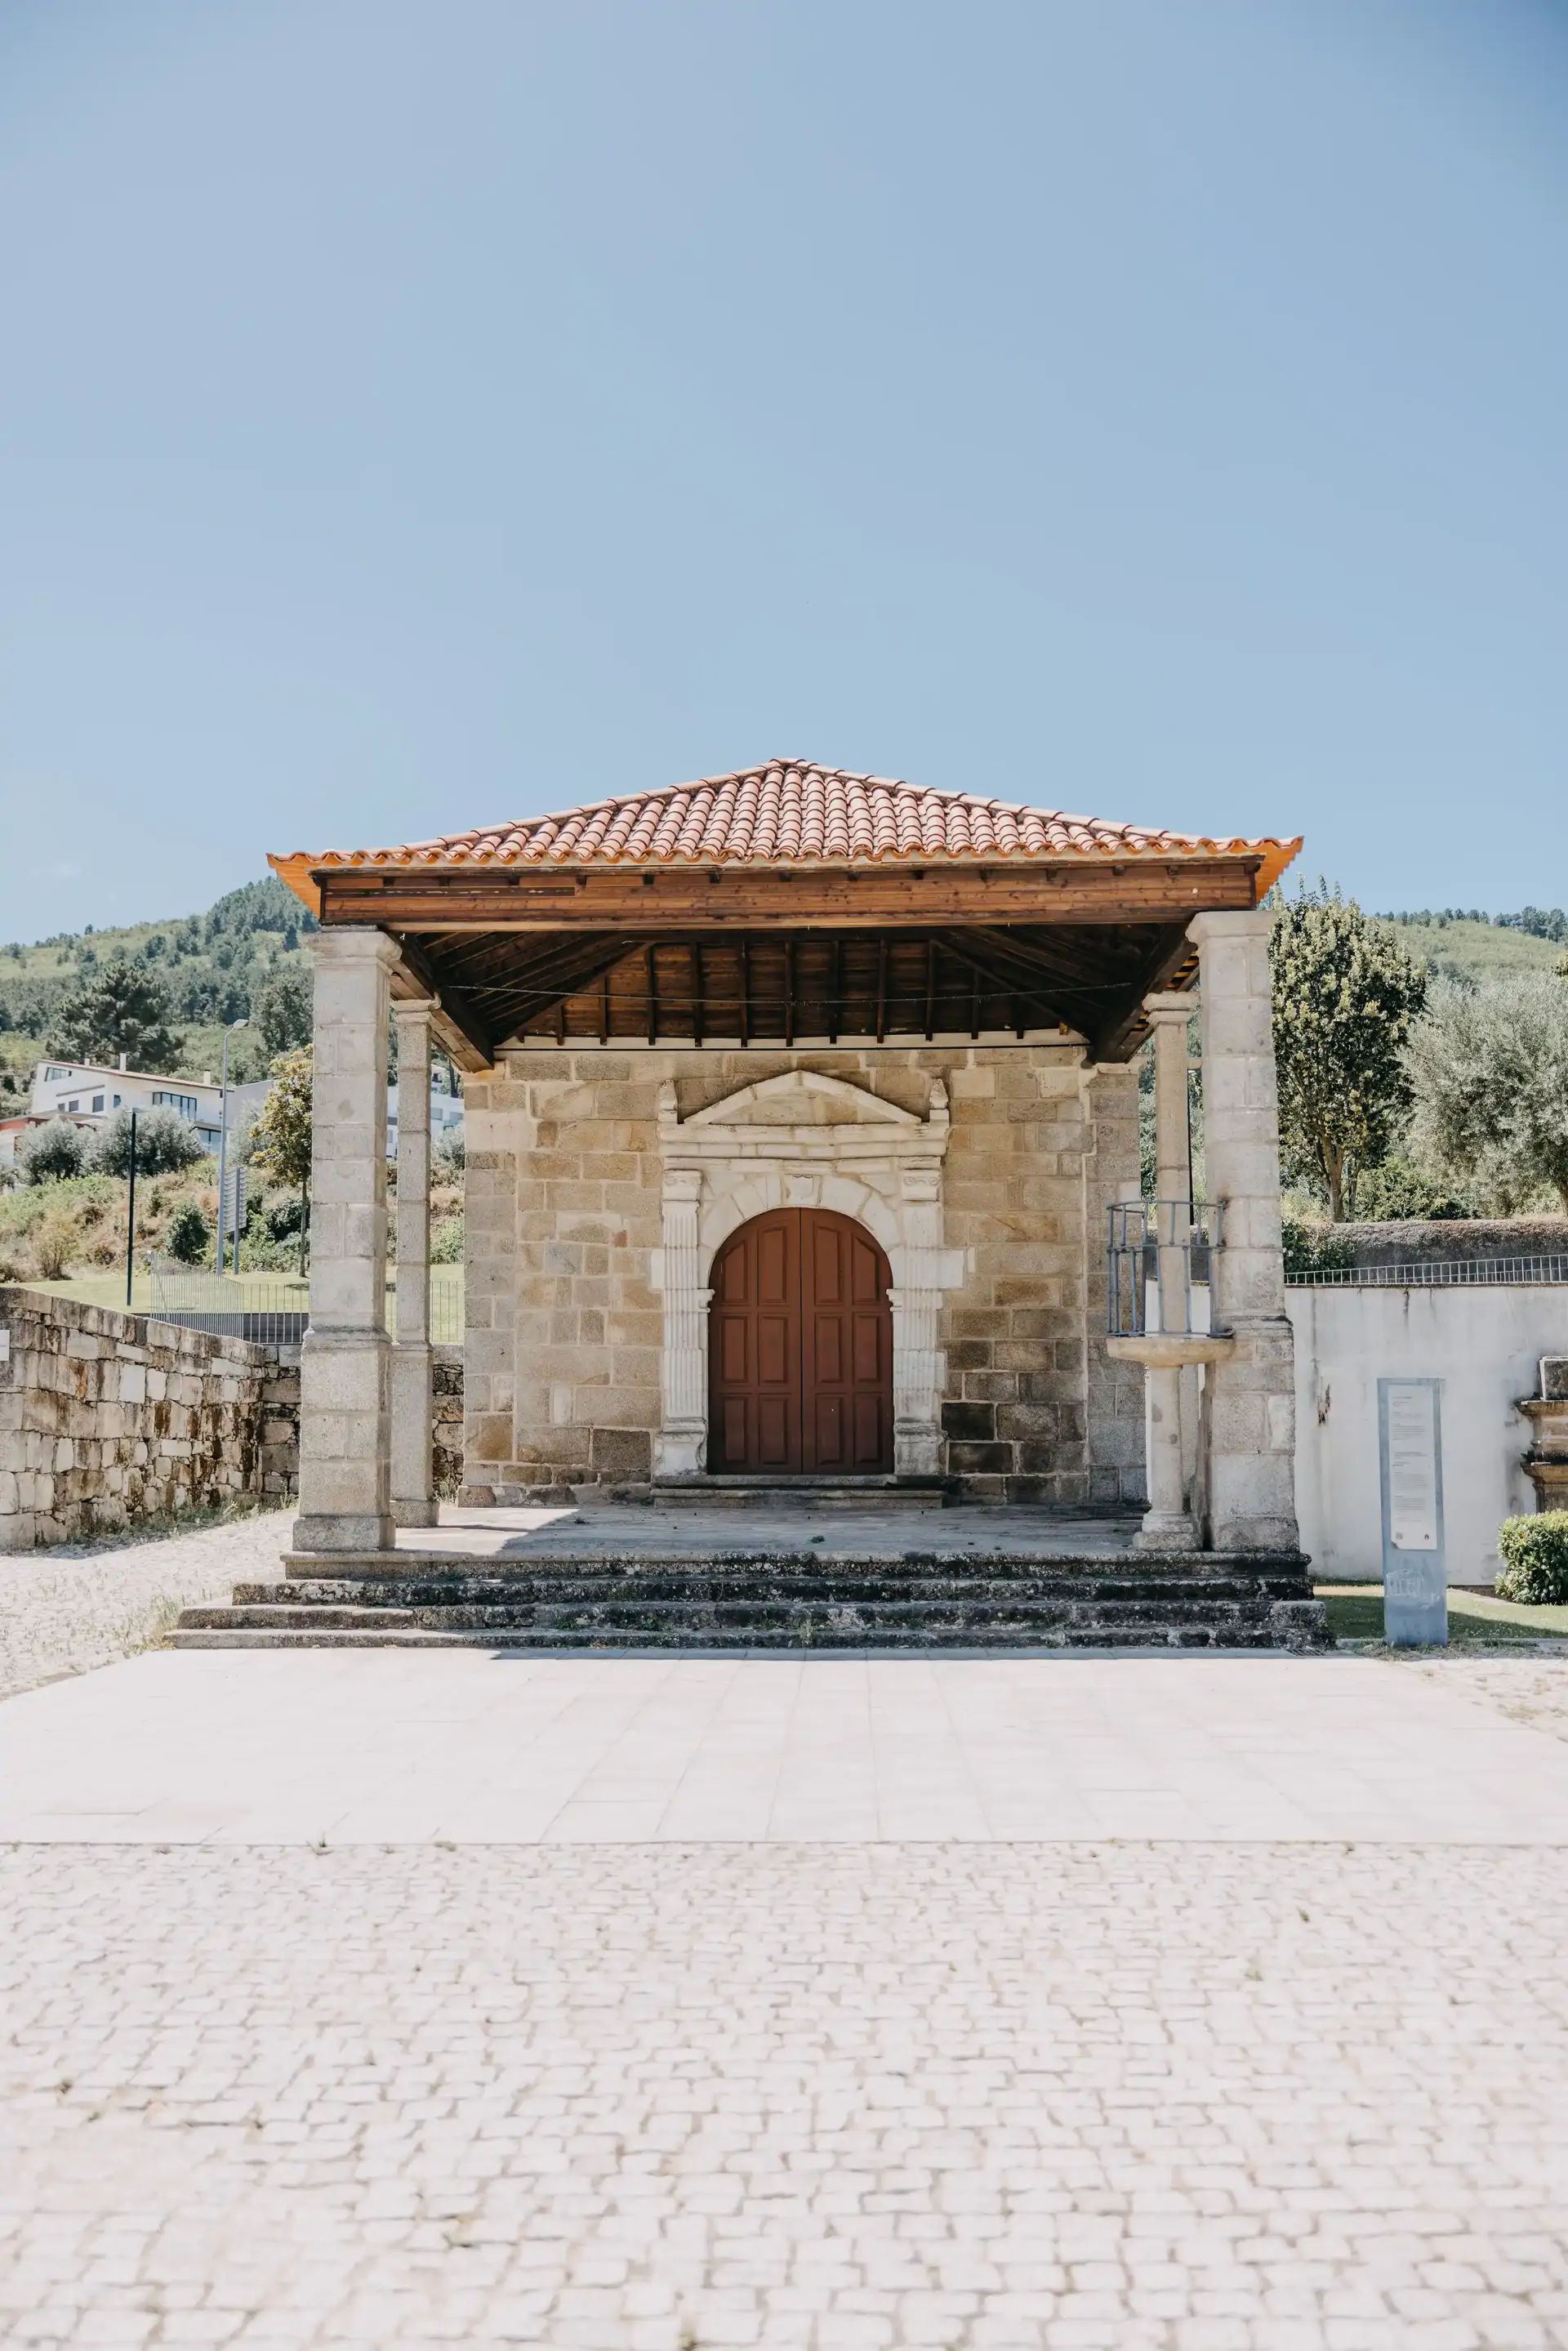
(457, 1022)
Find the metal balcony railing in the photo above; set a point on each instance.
(1183, 1233)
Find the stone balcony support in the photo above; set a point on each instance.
(345, 1404)
(413, 1468)
(1249, 1399)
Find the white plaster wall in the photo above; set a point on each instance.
(1484, 1345)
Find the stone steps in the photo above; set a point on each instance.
(768, 1604)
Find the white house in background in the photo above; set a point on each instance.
(446, 1110)
(84, 1090)
(446, 1117)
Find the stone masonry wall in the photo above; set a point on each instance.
(109, 1418)
(565, 1329)
(106, 1419)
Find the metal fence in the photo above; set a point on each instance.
(1442, 1273)
(275, 1312)
(1139, 1231)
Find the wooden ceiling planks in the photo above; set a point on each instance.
(758, 988)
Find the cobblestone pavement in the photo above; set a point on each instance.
(837, 2097)
(76, 1605)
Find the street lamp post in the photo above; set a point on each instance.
(224, 1148)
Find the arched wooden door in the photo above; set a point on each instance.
(800, 1336)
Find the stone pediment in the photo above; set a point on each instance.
(802, 1116)
(801, 1098)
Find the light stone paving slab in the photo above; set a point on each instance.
(848, 2097)
(402, 1746)
(72, 1606)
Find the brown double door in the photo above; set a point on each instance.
(800, 1375)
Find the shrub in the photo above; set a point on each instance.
(449, 1153)
(1534, 1559)
(51, 1152)
(164, 1143)
(283, 1216)
(189, 1236)
(446, 1241)
(54, 1244)
(1314, 1249)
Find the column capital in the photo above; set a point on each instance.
(412, 1010)
(1169, 1008)
(356, 946)
(1236, 923)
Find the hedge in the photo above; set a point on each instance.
(1534, 1559)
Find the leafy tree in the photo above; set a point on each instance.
(164, 1143)
(49, 1154)
(280, 1139)
(1401, 1187)
(123, 1008)
(1346, 991)
(1489, 1067)
(283, 1009)
(189, 1236)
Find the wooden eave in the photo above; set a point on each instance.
(672, 954)
(881, 896)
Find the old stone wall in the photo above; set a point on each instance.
(566, 1327)
(110, 1418)
(106, 1419)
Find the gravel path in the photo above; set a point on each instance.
(82, 1604)
(1533, 1690)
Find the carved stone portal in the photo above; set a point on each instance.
(803, 1140)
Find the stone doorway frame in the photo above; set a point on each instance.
(848, 1150)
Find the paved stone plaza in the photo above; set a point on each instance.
(365, 1999)
(839, 2097)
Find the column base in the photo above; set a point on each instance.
(1167, 1530)
(344, 1531)
(917, 1450)
(415, 1510)
(680, 1450)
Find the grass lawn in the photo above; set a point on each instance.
(1475, 1619)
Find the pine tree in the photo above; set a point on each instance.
(123, 1008)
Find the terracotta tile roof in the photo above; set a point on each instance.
(789, 811)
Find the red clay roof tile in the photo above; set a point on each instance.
(789, 811)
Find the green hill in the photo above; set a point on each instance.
(1470, 948)
(214, 966)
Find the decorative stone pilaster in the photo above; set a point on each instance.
(916, 1304)
(1251, 1396)
(345, 1415)
(413, 1490)
(679, 1449)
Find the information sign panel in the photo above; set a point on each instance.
(1414, 1570)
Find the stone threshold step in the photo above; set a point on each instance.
(788, 1494)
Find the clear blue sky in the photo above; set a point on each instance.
(419, 412)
